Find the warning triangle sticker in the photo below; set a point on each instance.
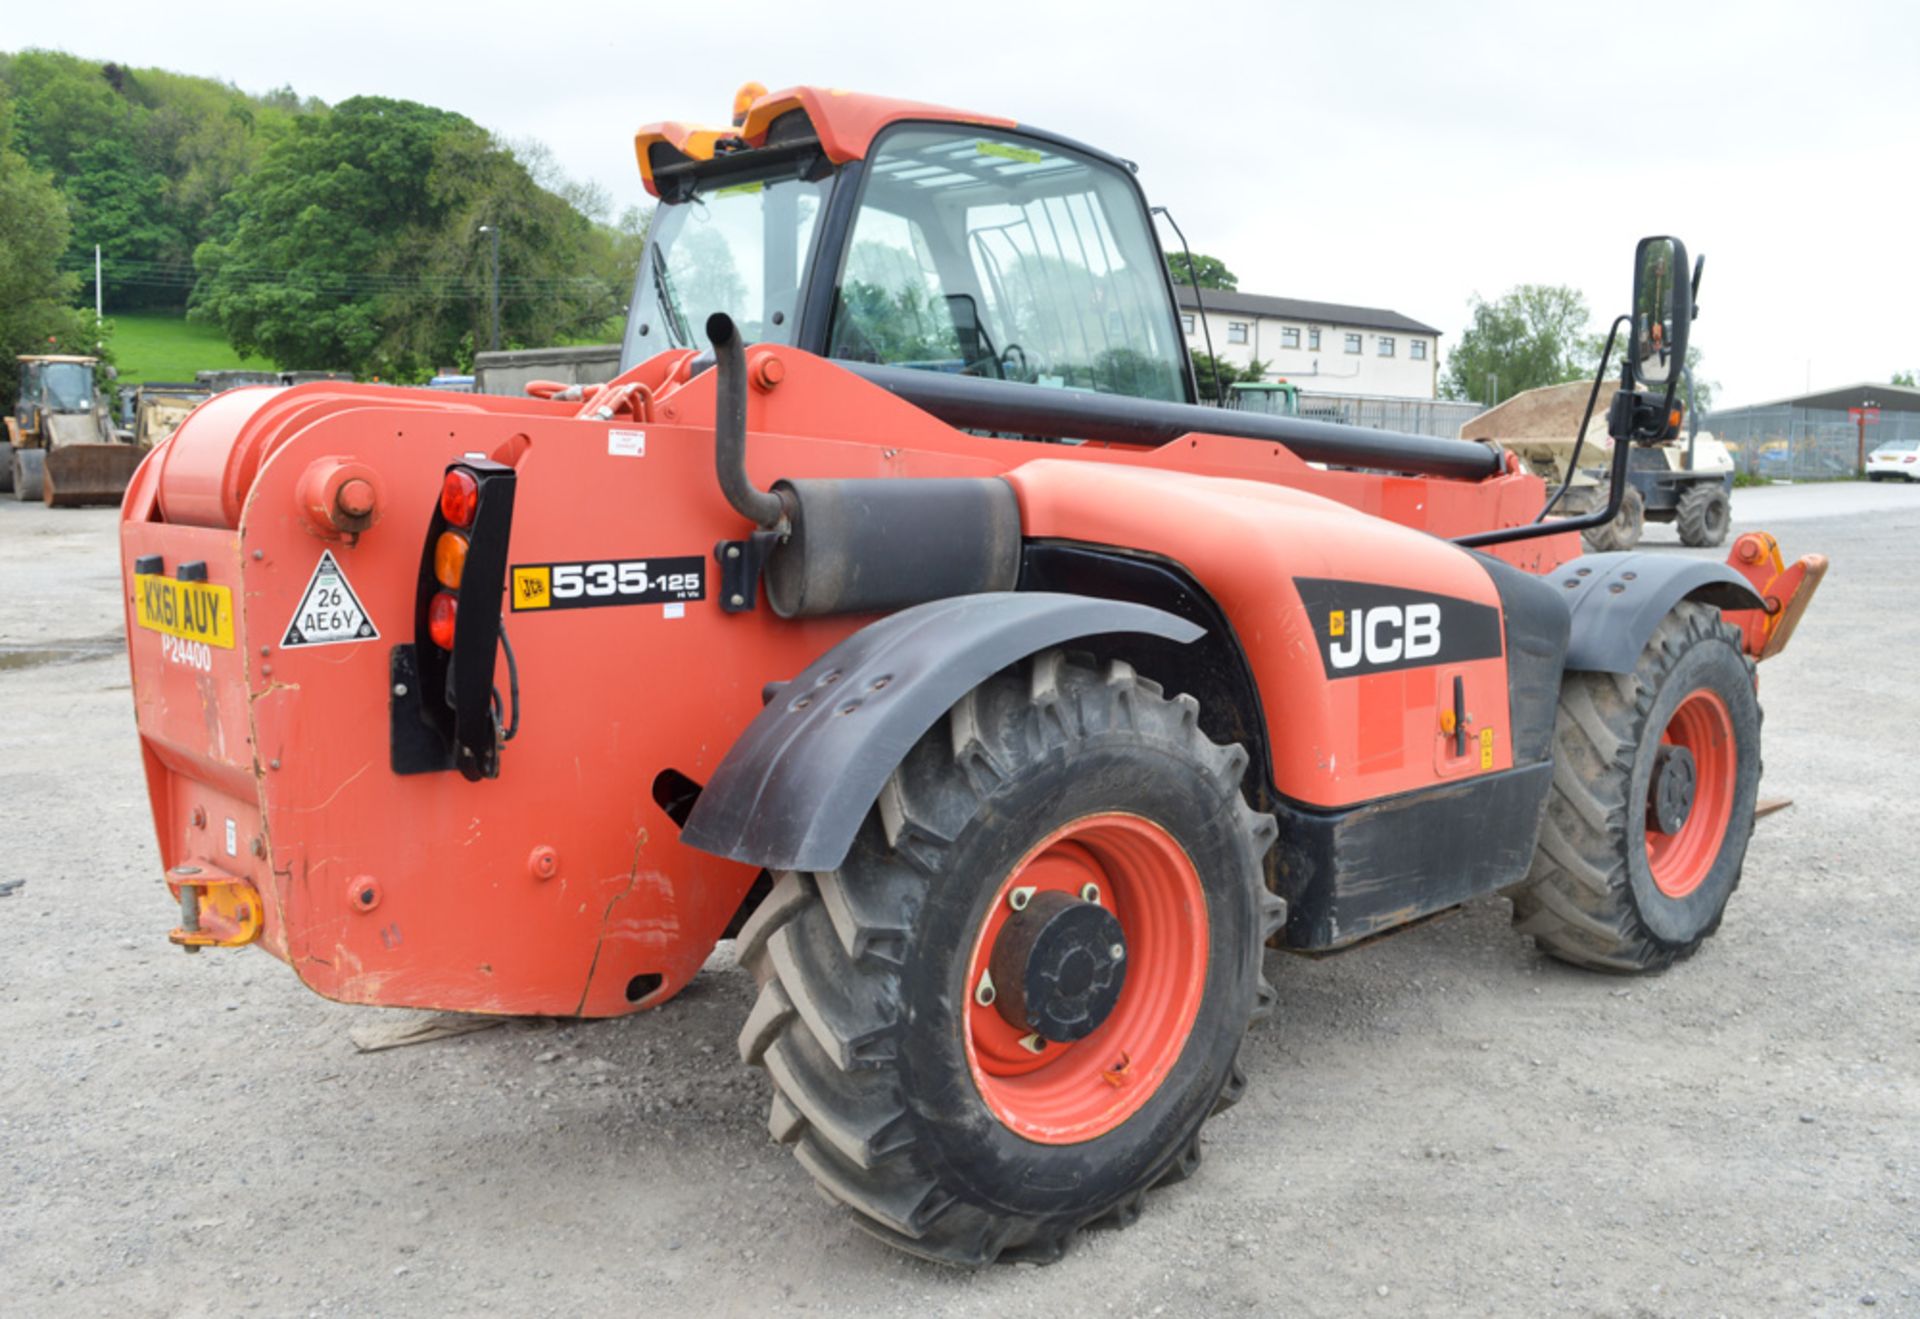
(329, 611)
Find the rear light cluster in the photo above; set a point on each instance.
(459, 498)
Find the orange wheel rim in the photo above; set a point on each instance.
(1067, 1092)
(1680, 861)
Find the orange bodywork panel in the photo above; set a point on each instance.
(1341, 740)
(845, 122)
(562, 886)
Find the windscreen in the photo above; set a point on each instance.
(1002, 257)
(68, 386)
(740, 246)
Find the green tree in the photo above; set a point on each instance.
(121, 205)
(1535, 335)
(1210, 272)
(1228, 374)
(1902, 378)
(355, 245)
(36, 312)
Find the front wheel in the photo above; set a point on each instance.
(1623, 533)
(1010, 1010)
(1654, 779)
(1704, 515)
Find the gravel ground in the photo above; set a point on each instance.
(1442, 1123)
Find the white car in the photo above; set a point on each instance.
(1896, 460)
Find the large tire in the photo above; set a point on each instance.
(873, 1025)
(1704, 514)
(6, 467)
(1623, 533)
(1606, 890)
(29, 474)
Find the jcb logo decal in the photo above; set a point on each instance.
(1365, 628)
(1383, 634)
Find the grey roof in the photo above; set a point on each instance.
(1299, 309)
(1893, 398)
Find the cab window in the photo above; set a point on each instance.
(997, 256)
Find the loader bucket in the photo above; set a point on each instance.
(78, 475)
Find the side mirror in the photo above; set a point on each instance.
(1662, 310)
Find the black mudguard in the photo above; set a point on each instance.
(791, 793)
(1616, 601)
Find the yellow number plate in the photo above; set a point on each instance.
(192, 611)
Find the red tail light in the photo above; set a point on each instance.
(440, 616)
(459, 496)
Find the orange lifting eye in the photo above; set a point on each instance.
(450, 559)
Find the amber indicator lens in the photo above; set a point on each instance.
(450, 559)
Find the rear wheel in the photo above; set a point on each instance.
(1704, 515)
(1008, 1013)
(6, 467)
(1623, 533)
(29, 473)
(1654, 780)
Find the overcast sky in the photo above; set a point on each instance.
(1391, 154)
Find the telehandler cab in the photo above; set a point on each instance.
(897, 612)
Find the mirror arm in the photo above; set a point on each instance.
(1617, 488)
(1586, 419)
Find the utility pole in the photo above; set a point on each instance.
(493, 297)
(97, 301)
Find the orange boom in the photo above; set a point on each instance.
(897, 610)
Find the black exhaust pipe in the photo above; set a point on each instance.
(761, 507)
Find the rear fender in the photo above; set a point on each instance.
(1617, 600)
(792, 792)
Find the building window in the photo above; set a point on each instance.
(1353, 343)
(1386, 345)
(1236, 331)
(1417, 349)
(1186, 323)
(1313, 338)
(1290, 337)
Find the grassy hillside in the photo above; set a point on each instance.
(162, 346)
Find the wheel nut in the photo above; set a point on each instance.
(1019, 898)
(1090, 893)
(983, 992)
(1033, 1044)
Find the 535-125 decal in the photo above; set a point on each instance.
(595, 582)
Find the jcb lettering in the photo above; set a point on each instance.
(1386, 634)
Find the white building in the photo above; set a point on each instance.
(1320, 346)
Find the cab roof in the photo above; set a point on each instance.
(56, 357)
(845, 124)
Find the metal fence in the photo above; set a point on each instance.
(1793, 443)
(1417, 416)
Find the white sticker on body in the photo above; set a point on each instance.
(233, 837)
(627, 444)
(329, 611)
(675, 609)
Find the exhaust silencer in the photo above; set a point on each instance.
(860, 546)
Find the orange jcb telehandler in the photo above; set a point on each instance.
(897, 612)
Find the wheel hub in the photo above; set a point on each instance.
(1058, 967)
(1671, 790)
